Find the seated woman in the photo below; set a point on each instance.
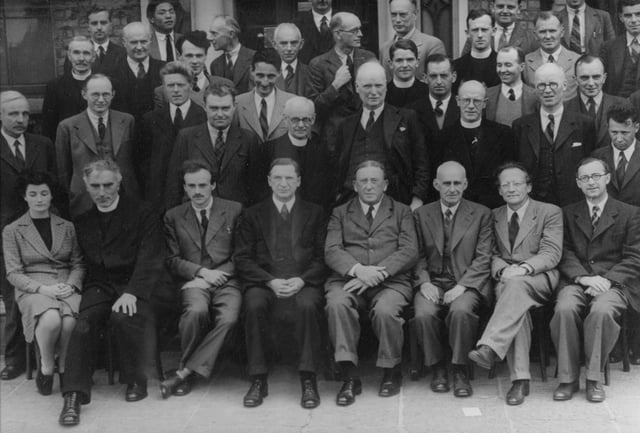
(44, 265)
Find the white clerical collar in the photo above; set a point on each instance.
(403, 84)
(471, 125)
(481, 54)
(81, 77)
(289, 204)
(111, 207)
(298, 142)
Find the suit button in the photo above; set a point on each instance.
(591, 262)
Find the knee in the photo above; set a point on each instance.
(601, 311)
(197, 312)
(384, 312)
(566, 308)
(308, 304)
(255, 304)
(49, 321)
(460, 314)
(227, 318)
(425, 315)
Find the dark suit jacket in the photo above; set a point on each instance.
(495, 147)
(234, 178)
(466, 72)
(255, 243)
(427, 118)
(566, 60)
(404, 98)
(611, 251)
(241, 68)
(521, 37)
(629, 191)
(316, 186)
(529, 101)
(602, 127)
(76, 147)
(299, 83)
(182, 234)
(574, 141)
(154, 51)
(62, 99)
(315, 43)
(127, 259)
(471, 246)
(391, 242)
(105, 66)
(597, 29)
(407, 162)
(612, 54)
(332, 105)
(158, 138)
(125, 83)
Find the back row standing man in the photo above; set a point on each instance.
(314, 26)
(162, 17)
(586, 28)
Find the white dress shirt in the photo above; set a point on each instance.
(95, 119)
(517, 90)
(184, 109)
(11, 141)
(571, 12)
(317, 18)
(628, 152)
(557, 117)
(162, 45)
(207, 210)
(271, 103)
(133, 65)
(279, 204)
(365, 115)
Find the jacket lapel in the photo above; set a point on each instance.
(267, 224)
(390, 123)
(216, 220)
(300, 217)
(436, 227)
(203, 142)
(527, 224)
(607, 219)
(249, 112)
(385, 211)
(84, 131)
(32, 236)
(58, 233)
(117, 130)
(534, 129)
(191, 225)
(632, 168)
(276, 115)
(463, 219)
(608, 158)
(583, 221)
(357, 216)
(500, 224)
(7, 155)
(234, 139)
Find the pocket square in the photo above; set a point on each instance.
(402, 128)
(576, 144)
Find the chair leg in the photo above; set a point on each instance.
(110, 368)
(416, 369)
(28, 360)
(606, 372)
(625, 342)
(542, 348)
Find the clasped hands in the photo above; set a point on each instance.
(57, 291)
(595, 285)
(436, 295)
(286, 288)
(213, 276)
(365, 277)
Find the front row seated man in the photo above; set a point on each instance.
(121, 240)
(279, 255)
(600, 270)
(528, 237)
(371, 247)
(452, 277)
(199, 236)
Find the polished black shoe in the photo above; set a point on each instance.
(44, 383)
(634, 359)
(258, 390)
(70, 414)
(174, 385)
(11, 372)
(390, 384)
(483, 356)
(519, 390)
(595, 391)
(135, 392)
(461, 385)
(347, 394)
(565, 391)
(440, 379)
(310, 397)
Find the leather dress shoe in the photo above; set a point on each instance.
(483, 356)
(391, 383)
(310, 397)
(174, 385)
(347, 394)
(135, 392)
(461, 384)
(519, 389)
(70, 414)
(44, 383)
(634, 359)
(440, 380)
(258, 390)
(565, 391)
(11, 372)
(595, 391)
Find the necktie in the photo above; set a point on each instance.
(447, 219)
(550, 59)
(574, 40)
(512, 95)
(594, 216)
(370, 215)
(622, 168)
(177, 119)
(514, 226)
(439, 112)
(102, 130)
(551, 127)
(371, 120)
(284, 212)
(19, 155)
(635, 50)
(170, 57)
(228, 70)
(141, 73)
(101, 53)
(204, 223)
(503, 42)
(446, 246)
(591, 107)
(195, 86)
(264, 123)
(324, 27)
(289, 78)
(219, 144)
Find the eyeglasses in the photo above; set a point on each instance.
(354, 31)
(595, 176)
(96, 96)
(469, 101)
(543, 86)
(512, 184)
(296, 120)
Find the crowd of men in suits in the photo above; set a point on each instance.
(312, 176)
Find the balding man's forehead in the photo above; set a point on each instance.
(87, 45)
(471, 89)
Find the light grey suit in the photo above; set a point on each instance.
(248, 117)
(566, 60)
(426, 44)
(528, 100)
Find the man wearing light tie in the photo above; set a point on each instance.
(235, 61)
(162, 17)
(314, 25)
(586, 28)
(288, 42)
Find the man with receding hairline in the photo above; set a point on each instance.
(287, 40)
(314, 26)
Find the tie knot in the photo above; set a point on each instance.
(591, 100)
(221, 134)
(576, 11)
(289, 69)
(448, 214)
(203, 213)
(515, 217)
(622, 157)
(100, 120)
(596, 209)
(101, 50)
(550, 59)
(169, 38)
(512, 95)
(323, 20)
(551, 118)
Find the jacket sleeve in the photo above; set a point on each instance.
(421, 269)
(627, 270)
(177, 265)
(245, 252)
(149, 264)
(478, 272)
(316, 271)
(13, 262)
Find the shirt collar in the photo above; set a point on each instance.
(133, 64)
(81, 77)
(407, 36)
(271, 98)
(601, 204)
(521, 212)
(585, 99)
(234, 51)
(94, 118)
(297, 142)
(184, 108)
(631, 38)
(445, 102)
(555, 54)
(365, 206)
(111, 207)
(557, 115)
(207, 208)
(403, 84)
(97, 46)
(163, 36)
(317, 18)
(517, 89)
(213, 133)
(294, 65)
(628, 152)
(509, 29)
(571, 11)
(470, 125)
(11, 140)
(365, 114)
(453, 209)
(279, 204)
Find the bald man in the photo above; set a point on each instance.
(451, 277)
(386, 134)
(551, 141)
(136, 75)
(19, 151)
(288, 42)
(480, 145)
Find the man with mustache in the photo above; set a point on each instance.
(162, 17)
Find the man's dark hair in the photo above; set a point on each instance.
(97, 9)
(220, 87)
(403, 44)
(589, 160)
(586, 59)
(509, 165)
(474, 14)
(623, 112)
(627, 3)
(518, 50)
(177, 67)
(195, 165)
(285, 161)
(268, 55)
(153, 5)
(196, 37)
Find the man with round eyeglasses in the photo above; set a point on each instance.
(599, 280)
(551, 141)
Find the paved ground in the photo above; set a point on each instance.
(216, 407)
